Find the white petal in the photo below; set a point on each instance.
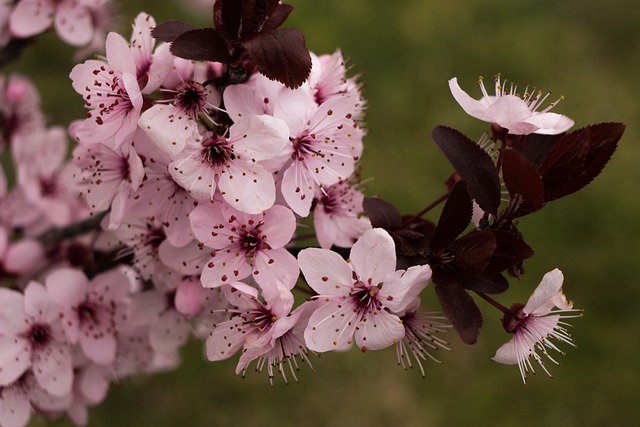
(373, 256)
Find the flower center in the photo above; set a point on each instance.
(191, 98)
(217, 151)
(366, 297)
(87, 313)
(39, 335)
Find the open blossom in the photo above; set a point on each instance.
(535, 325)
(359, 297)
(231, 164)
(153, 63)
(337, 216)
(518, 114)
(31, 336)
(244, 245)
(112, 93)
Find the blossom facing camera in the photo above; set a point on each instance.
(535, 325)
(517, 113)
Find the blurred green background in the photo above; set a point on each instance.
(588, 51)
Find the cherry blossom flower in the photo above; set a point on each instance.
(232, 164)
(31, 336)
(111, 92)
(265, 330)
(337, 216)
(90, 308)
(535, 324)
(359, 297)
(326, 144)
(71, 19)
(20, 257)
(107, 178)
(420, 336)
(244, 245)
(20, 111)
(518, 114)
(152, 65)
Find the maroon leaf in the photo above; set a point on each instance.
(523, 182)
(510, 251)
(382, 213)
(280, 55)
(578, 158)
(203, 44)
(254, 15)
(168, 31)
(485, 283)
(473, 164)
(473, 252)
(536, 147)
(277, 18)
(458, 306)
(455, 217)
(226, 17)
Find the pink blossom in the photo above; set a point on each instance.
(153, 63)
(89, 309)
(337, 216)
(518, 114)
(535, 324)
(359, 297)
(71, 19)
(107, 178)
(232, 164)
(111, 92)
(20, 257)
(244, 245)
(19, 108)
(31, 336)
(326, 144)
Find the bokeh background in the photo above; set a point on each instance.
(586, 50)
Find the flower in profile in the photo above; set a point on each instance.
(518, 114)
(535, 324)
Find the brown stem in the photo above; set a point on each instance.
(55, 235)
(426, 209)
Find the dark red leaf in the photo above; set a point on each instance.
(277, 18)
(204, 44)
(455, 217)
(168, 31)
(458, 306)
(255, 14)
(227, 16)
(473, 252)
(535, 147)
(485, 283)
(578, 158)
(280, 55)
(510, 251)
(382, 213)
(473, 164)
(523, 182)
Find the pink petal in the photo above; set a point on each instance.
(325, 271)
(541, 301)
(161, 67)
(169, 332)
(403, 287)
(24, 256)
(94, 383)
(279, 226)
(379, 330)
(295, 107)
(298, 188)
(471, 106)
(31, 17)
(226, 339)
(67, 287)
(195, 176)
(224, 268)
(168, 128)
(15, 408)
(52, 367)
(331, 326)
(373, 256)
(275, 265)
(15, 358)
(119, 55)
(74, 23)
(190, 297)
(550, 123)
(38, 303)
(13, 319)
(188, 260)
(250, 188)
(259, 137)
(99, 345)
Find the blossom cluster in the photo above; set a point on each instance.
(197, 180)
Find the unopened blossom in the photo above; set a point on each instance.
(20, 111)
(20, 257)
(243, 245)
(358, 298)
(32, 337)
(232, 164)
(537, 326)
(420, 338)
(111, 93)
(90, 309)
(71, 19)
(519, 114)
(337, 216)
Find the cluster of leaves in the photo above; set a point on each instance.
(245, 33)
(535, 169)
